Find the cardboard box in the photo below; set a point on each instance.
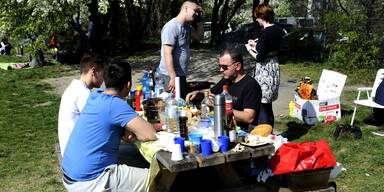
(329, 90)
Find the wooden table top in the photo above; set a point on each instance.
(193, 161)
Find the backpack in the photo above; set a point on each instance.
(309, 113)
(306, 89)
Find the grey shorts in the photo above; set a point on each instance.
(113, 178)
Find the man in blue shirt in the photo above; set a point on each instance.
(90, 157)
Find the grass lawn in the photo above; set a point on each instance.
(9, 60)
(28, 132)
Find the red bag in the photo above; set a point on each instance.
(294, 157)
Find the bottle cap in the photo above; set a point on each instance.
(139, 88)
(225, 87)
(145, 74)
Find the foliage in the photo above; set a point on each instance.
(358, 50)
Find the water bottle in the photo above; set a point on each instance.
(204, 107)
(159, 87)
(172, 115)
(159, 83)
(146, 81)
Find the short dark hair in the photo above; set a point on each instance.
(235, 55)
(117, 75)
(92, 59)
(264, 12)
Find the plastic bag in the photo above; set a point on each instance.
(294, 157)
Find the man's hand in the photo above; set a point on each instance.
(171, 85)
(128, 136)
(190, 96)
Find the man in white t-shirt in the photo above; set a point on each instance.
(75, 96)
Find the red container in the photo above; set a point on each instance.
(138, 97)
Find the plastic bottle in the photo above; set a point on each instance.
(159, 83)
(146, 81)
(291, 105)
(229, 127)
(138, 98)
(204, 107)
(159, 87)
(171, 115)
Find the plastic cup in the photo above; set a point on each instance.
(205, 123)
(176, 153)
(195, 142)
(180, 140)
(223, 143)
(206, 147)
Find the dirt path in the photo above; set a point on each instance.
(203, 67)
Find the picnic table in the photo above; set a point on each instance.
(196, 170)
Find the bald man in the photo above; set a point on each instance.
(175, 40)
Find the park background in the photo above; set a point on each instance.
(130, 30)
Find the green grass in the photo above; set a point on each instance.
(28, 132)
(313, 70)
(9, 60)
(358, 156)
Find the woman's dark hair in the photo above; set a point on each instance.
(235, 55)
(264, 12)
(117, 75)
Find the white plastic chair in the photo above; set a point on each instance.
(369, 102)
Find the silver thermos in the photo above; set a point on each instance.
(219, 108)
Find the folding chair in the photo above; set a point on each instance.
(369, 102)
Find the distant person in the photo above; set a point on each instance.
(265, 50)
(75, 96)
(175, 41)
(5, 47)
(377, 113)
(244, 89)
(90, 158)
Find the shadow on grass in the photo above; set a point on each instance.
(295, 130)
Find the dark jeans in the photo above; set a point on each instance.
(183, 84)
(266, 114)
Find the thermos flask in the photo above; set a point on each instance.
(219, 108)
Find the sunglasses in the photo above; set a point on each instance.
(225, 67)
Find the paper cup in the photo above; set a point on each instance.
(176, 153)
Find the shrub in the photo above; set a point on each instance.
(357, 49)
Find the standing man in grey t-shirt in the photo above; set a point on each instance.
(175, 40)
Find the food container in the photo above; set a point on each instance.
(152, 108)
(309, 180)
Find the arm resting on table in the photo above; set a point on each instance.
(142, 129)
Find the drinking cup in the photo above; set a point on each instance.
(176, 153)
(206, 147)
(180, 140)
(223, 143)
(195, 142)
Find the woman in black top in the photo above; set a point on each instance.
(264, 50)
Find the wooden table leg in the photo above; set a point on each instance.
(228, 175)
(163, 181)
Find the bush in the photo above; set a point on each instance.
(358, 50)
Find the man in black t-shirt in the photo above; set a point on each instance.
(245, 91)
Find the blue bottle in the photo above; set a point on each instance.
(146, 81)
